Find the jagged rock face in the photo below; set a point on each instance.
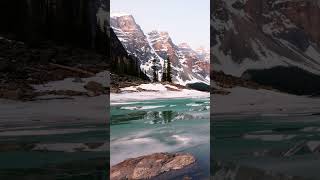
(187, 65)
(127, 24)
(198, 61)
(164, 47)
(190, 56)
(134, 41)
(250, 34)
(132, 37)
(203, 54)
(303, 13)
(203, 66)
(121, 61)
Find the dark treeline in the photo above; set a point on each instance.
(166, 75)
(64, 21)
(287, 79)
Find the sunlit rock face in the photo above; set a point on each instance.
(133, 39)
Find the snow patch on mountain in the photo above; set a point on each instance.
(275, 38)
(158, 46)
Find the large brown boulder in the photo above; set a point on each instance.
(149, 166)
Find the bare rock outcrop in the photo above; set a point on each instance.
(150, 166)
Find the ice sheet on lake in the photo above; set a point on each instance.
(45, 132)
(267, 102)
(269, 137)
(156, 140)
(57, 111)
(193, 104)
(70, 147)
(141, 107)
(182, 139)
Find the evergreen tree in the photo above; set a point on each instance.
(155, 79)
(155, 73)
(164, 72)
(168, 73)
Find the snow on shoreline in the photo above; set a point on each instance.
(244, 101)
(70, 84)
(154, 91)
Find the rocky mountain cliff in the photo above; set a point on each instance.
(251, 39)
(187, 64)
(121, 61)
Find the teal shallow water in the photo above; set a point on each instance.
(167, 125)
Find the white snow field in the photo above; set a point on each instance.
(154, 91)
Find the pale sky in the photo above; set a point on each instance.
(185, 20)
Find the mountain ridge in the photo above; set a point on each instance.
(249, 36)
(157, 45)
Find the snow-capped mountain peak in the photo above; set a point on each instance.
(157, 46)
(157, 36)
(184, 45)
(270, 33)
(202, 50)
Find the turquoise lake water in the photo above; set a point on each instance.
(66, 150)
(166, 125)
(283, 144)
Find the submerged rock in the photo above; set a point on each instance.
(149, 166)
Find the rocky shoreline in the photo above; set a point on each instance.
(221, 82)
(23, 66)
(118, 81)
